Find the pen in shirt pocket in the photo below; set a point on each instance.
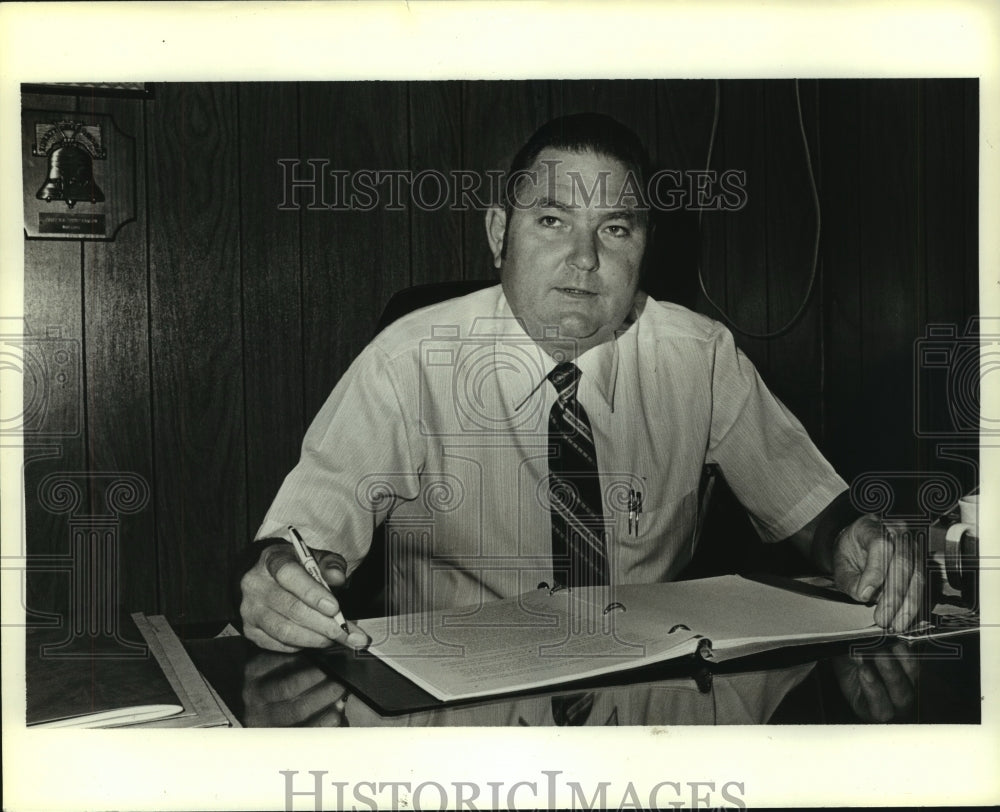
(634, 509)
(306, 560)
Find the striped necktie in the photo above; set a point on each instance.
(579, 555)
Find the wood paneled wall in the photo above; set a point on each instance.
(212, 328)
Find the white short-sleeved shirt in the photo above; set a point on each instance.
(441, 426)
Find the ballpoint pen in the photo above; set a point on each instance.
(306, 560)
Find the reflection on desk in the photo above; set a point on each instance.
(926, 682)
(730, 699)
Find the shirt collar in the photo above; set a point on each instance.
(514, 349)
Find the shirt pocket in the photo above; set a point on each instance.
(651, 530)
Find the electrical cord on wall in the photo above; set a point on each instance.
(815, 196)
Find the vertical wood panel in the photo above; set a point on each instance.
(197, 365)
(840, 192)
(630, 102)
(353, 261)
(434, 110)
(970, 277)
(271, 290)
(791, 240)
(891, 286)
(970, 195)
(949, 170)
(118, 366)
(742, 141)
(53, 419)
(684, 111)
(943, 163)
(713, 227)
(497, 118)
(943, 124)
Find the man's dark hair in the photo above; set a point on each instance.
(580, 132)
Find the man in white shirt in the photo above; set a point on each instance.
(439, 427)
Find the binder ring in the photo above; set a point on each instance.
(612, 606)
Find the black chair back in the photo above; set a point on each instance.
(410, 299)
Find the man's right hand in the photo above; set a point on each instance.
(284, 609)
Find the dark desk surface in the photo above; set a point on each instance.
(928, 682)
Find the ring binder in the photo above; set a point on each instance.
(703, 679)
(717, 627)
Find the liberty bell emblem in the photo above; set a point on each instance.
(71, 148)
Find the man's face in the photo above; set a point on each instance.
(574, 246)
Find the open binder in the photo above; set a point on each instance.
(552, 636)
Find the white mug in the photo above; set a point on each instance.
(968, 508)
(961, 546)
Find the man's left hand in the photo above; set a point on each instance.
(874, 560)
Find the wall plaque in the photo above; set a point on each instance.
(79, 177)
